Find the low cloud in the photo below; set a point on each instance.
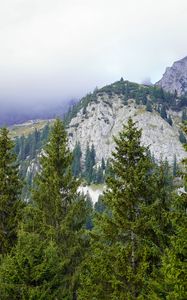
(52, 51)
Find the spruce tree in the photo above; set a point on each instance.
(89, 172)
(55, 187)
(125, 240)
(130, 235)
(171, 283)
(76, 163)
(10, 193)
(45, 261)
(163, 112)
(172, 278)
(149, 106)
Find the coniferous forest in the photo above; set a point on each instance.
(56, 245)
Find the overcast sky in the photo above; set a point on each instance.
(53, 50)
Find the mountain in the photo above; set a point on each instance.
(174, 79)
(100, 116)
(92, 122)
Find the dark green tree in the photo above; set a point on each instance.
(99, 175)
(45, 262)
(76, 163)
(127, 239)
(175, 167)
(182, 137)
(171, 282)
(99, 206)
(103, 165)
(89, 205)
(163, 112)
(89, 172)
(149, 106)
(184, 116)
(10, 193)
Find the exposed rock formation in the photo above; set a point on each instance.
(175, 78)
(104, 118)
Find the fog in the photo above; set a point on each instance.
(55, 50)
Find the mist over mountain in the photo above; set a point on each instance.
(15, 113)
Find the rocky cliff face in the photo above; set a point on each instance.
(175, 78)
(105, 117)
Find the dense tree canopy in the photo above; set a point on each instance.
(10, 191)
(44, 263)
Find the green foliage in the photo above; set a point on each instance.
(163, 112)
(129, 90)
(99, 206)
(82, 104)
(10, 193)
(89, 219)
(45, 262)
(30, 271)
(149, 106)
(89, 164)
(182, 137)
(129, 237)
(76, 163)
(133, 229)
(184, 116)
(175, 166)
(27, 149)
(174, 262)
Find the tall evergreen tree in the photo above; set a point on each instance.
(45, 261)
(171, 282)
(76, 163)
(163, 112)
(127, 240)
(89, 172)
(10, 193)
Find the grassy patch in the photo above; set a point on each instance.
(28, 127)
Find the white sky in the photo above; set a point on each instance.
(59, 49)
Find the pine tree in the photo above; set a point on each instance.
(184, 116)
(45, 261)
(55, 183)
(89, 172)
(182, 137)
(175, 167)
(126, 240)
(99, 176)
(87, 165)
(76, 163)
(149, 106)
(103, 165)
(163, 112)
(173, 275)
(10, 193)
(171, 282)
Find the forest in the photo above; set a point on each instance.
(56, 245)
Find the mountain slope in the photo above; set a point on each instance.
(103, 118)
(174, 79)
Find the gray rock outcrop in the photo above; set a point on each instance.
(175, 78)
(105, 119)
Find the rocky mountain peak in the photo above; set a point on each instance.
(174, 79)
(104, 118)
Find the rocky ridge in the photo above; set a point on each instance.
(104, 118)
(174, 79)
